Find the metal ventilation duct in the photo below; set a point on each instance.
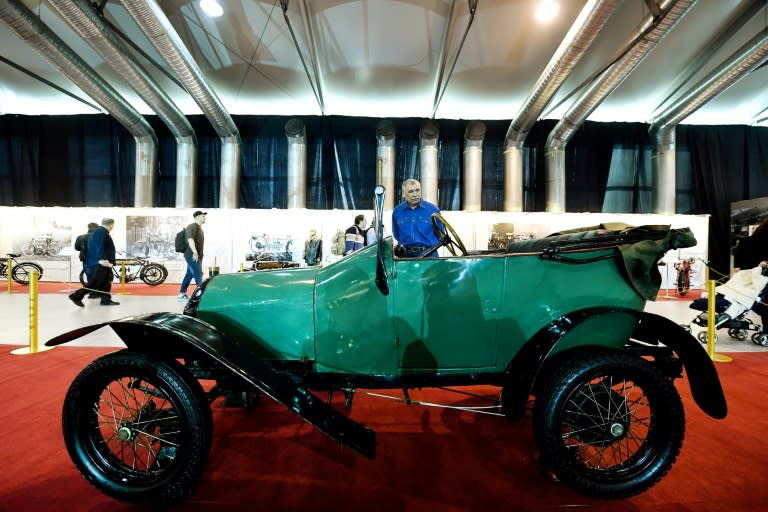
(81, 16)
(662, 129)
(385, 153)
(297, 163)
(472, 189)
(648, 35)
(429, 134)
(29, 27)
(581, 35)
(153, 22)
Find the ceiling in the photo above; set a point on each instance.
(382, 58)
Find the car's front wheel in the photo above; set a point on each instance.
(137, 428)
(609, 424)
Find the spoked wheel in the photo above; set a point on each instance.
(137, 428)
(609, 424)
(22, 271)
(447, 236)
(53, 248)
(28, 249)
(154, 274)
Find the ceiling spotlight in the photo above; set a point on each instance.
(547, 10)
(211, 8)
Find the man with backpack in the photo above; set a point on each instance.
(193, 253)
(354, 238)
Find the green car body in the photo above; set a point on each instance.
(449, 315)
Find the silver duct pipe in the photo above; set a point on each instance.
(472, 191)
(429, 134)
(662, 129)
(651, 31)
(385, 152)
(35, 33)
(579, 38)
(82, 17)
(153, 22)
(296, 134)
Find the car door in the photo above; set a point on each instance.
(446, 313)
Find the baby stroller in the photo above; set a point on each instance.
(734, 300)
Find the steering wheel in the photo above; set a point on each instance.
(447, 236)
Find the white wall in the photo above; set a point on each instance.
(228, 232)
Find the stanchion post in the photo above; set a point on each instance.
(122, 278)
(711, 327)
(9, 266)
(33, 316)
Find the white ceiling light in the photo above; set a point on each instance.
(547, 10)
(211, 8)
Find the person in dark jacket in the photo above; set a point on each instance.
(354, 238)
(81, 244)
(98, 265)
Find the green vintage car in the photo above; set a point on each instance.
(559, 320)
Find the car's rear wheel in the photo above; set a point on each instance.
(609, 424)
(137, 428)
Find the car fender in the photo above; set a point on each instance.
(525, 367)
(176, 335)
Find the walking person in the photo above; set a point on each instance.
(81, 244)
(98, 266)
(412, 222)
(193, 254)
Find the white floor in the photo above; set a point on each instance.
(56, 315)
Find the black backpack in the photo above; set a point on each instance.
(180, 243)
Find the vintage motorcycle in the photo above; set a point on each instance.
(41, 245)
(20, 269)
(151, 273)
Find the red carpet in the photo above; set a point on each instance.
(429, 459)
(171, 289)
(134, 288)
(673, 295)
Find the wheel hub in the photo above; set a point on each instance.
(602, 416)
(617, 430)
(125, 433)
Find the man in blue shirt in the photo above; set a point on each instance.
(412, 222)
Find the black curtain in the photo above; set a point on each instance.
(89, 160)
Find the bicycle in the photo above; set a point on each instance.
(152, 274)
(21, 269)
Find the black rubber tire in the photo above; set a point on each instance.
(137, 428)
(609, 424)
(22, 270)
(154, 274)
